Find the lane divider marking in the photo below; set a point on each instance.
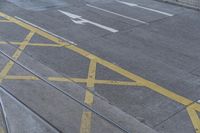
(146, 8)
(117, 14)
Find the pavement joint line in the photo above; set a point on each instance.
(5, 91)
(148, 84)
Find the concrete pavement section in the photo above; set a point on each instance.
(143, 62)
(40, 107)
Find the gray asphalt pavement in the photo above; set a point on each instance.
(141, 72)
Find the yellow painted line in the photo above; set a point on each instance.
(85, 124)
(15, 56)
(13, 77)
(32, 44)
(5, 21)
(91, 74)
(195, 106)
(90, 82)
(113, 82)
(62, 79)
(2, 130)
(194, 118)
(76, 80)
(89, 98)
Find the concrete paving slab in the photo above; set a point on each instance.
(3, 127)
(22, 120)
(183, 126)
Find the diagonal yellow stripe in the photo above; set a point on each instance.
(15, 56)
(31, 44)
(194, 118)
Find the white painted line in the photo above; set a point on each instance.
(146, 8)
(27, 22)
(126, 17)
(79, 20)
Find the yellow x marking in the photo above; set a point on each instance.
(192, 108)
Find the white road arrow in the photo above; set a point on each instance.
(79, 20)
(146, 8)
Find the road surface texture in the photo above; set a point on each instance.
(93, 66)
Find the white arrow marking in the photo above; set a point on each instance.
(146, 8)
(126, 17)
(79, 20)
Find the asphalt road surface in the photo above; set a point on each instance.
(91, 66)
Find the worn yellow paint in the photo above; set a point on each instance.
(63, 79)
(194, 118)
(76, 80)
(136, 79)
(4, 21)
(89, 98)
(2, 130)
(14, 77)
(85, 124)
(15, 56)
(31, 44)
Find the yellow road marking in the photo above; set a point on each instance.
(13, 77)
(89, 98)
(15, 56)
(85, 124)
(139, 80)
(194, 118)
(32, 44)
(76, 80)
(2, 130)
(5, 21)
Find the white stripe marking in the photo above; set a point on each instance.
(79, 20)
(27, 22)
(146, 8)
(133, 19)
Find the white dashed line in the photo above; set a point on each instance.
(126, 17)
(146, 8)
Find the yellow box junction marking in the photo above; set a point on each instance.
(15, 56)
(91, 81)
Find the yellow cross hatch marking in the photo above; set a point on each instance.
(91, 81)
(15, 56)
